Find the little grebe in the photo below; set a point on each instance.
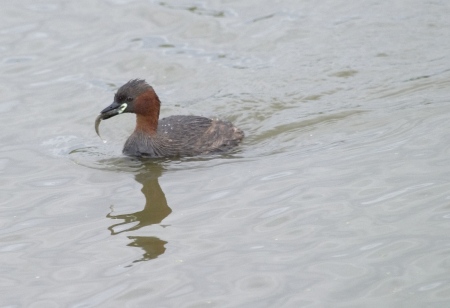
(175, 136)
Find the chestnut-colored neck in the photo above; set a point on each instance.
(147, 107)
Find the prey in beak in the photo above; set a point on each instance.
(109, 112)
(112, 110)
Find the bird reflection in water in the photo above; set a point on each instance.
(152, 246)
(155, 210)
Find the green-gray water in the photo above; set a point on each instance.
(338, 197)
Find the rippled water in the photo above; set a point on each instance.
(338, 196)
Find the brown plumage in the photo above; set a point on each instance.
(173, 136)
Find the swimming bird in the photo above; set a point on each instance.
(174, 136)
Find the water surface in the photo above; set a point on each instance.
(338, 196)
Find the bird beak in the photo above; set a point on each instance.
(113, 110)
